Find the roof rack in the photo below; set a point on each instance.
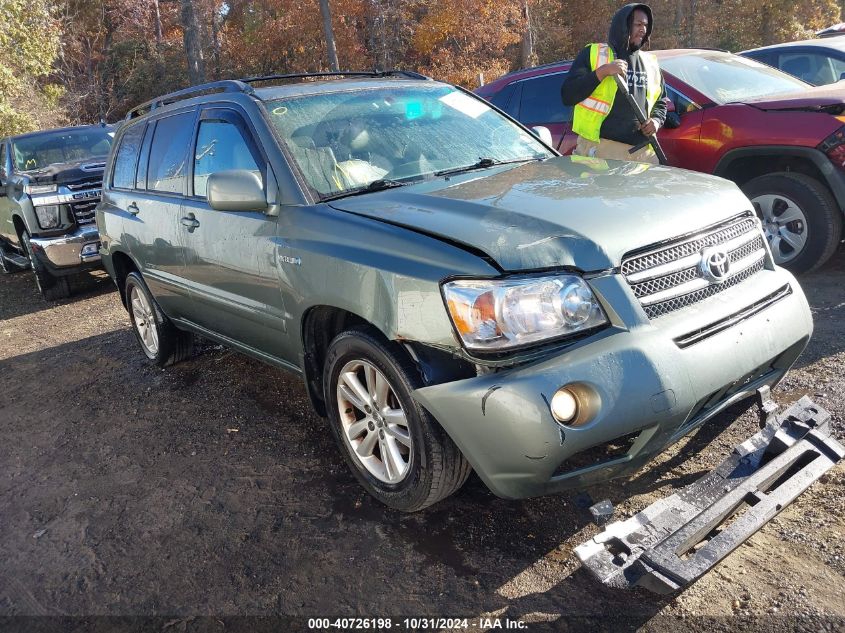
(342, 73)
(226, 85)
(243, 85)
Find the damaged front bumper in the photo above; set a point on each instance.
(650, 388)
(676, 540)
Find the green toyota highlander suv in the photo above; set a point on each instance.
(454, 294)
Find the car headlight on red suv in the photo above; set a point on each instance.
(500, 314)
(834, 146)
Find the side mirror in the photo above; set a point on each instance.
(841, 76)
(236, 190)
(672, 120)
(543, 134)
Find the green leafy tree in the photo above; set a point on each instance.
(29, 43)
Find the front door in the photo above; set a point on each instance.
(230, 255)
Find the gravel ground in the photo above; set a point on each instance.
(211, 489)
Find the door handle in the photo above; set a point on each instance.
(190, 221)
(133, 209)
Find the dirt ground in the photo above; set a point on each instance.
(211, 489)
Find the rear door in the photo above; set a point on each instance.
(150, 194)
(230, 261)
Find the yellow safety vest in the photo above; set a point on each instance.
(590, 113)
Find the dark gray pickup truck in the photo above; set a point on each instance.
(50, 183)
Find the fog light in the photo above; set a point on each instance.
(575, 404)
(90, 249)
(564, 406)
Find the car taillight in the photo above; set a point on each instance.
(834, 147)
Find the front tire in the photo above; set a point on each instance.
(801, 220)
(51, 287)
(161, 341)
(395, 448)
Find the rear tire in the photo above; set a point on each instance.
(51, 287)
(395, 448)
(6, 267)
(800, 218)
(161, 341)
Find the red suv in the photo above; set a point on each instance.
(780, 139)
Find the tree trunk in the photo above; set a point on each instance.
(767, 30)
(327, 27)
(193, 46)
(157, 23)
(679, 22)
(526, 49)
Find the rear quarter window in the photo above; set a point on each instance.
(126, 160)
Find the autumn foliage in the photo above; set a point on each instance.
(95, 59)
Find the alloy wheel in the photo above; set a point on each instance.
(374, 424)
(142, 316)
(784, 224)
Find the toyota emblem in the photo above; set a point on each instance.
(715, 264)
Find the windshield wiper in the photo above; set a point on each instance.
(376, 185)
(483, 163)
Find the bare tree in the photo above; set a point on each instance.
(327, 27)
(526, 49)
(193, 45)
(157, 22)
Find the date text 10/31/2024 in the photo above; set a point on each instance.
(414, 624)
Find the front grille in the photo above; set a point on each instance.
(670, 277)
(83, 212)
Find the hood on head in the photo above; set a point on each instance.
(620, 27)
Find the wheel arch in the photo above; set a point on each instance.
(744, 164)
(123, 265)
(322, 323)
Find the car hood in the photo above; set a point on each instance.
(582, 213)
(813, 98)
(70, 172)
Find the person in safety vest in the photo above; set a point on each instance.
(604, 122)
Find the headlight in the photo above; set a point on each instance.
(30, 189)
(48, 216)
(499, 314)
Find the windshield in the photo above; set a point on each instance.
(38, 152)
(346, 141)
(727, 78)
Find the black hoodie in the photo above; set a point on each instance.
(621, 124)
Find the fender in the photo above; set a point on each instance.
(834, 179)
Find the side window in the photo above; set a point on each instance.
(2, 158)
(838, 68)
(810, 67)
(126, 160)
(501, 98)
(169, 153)
(541, 101)
(220, 146)
(682, 104)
